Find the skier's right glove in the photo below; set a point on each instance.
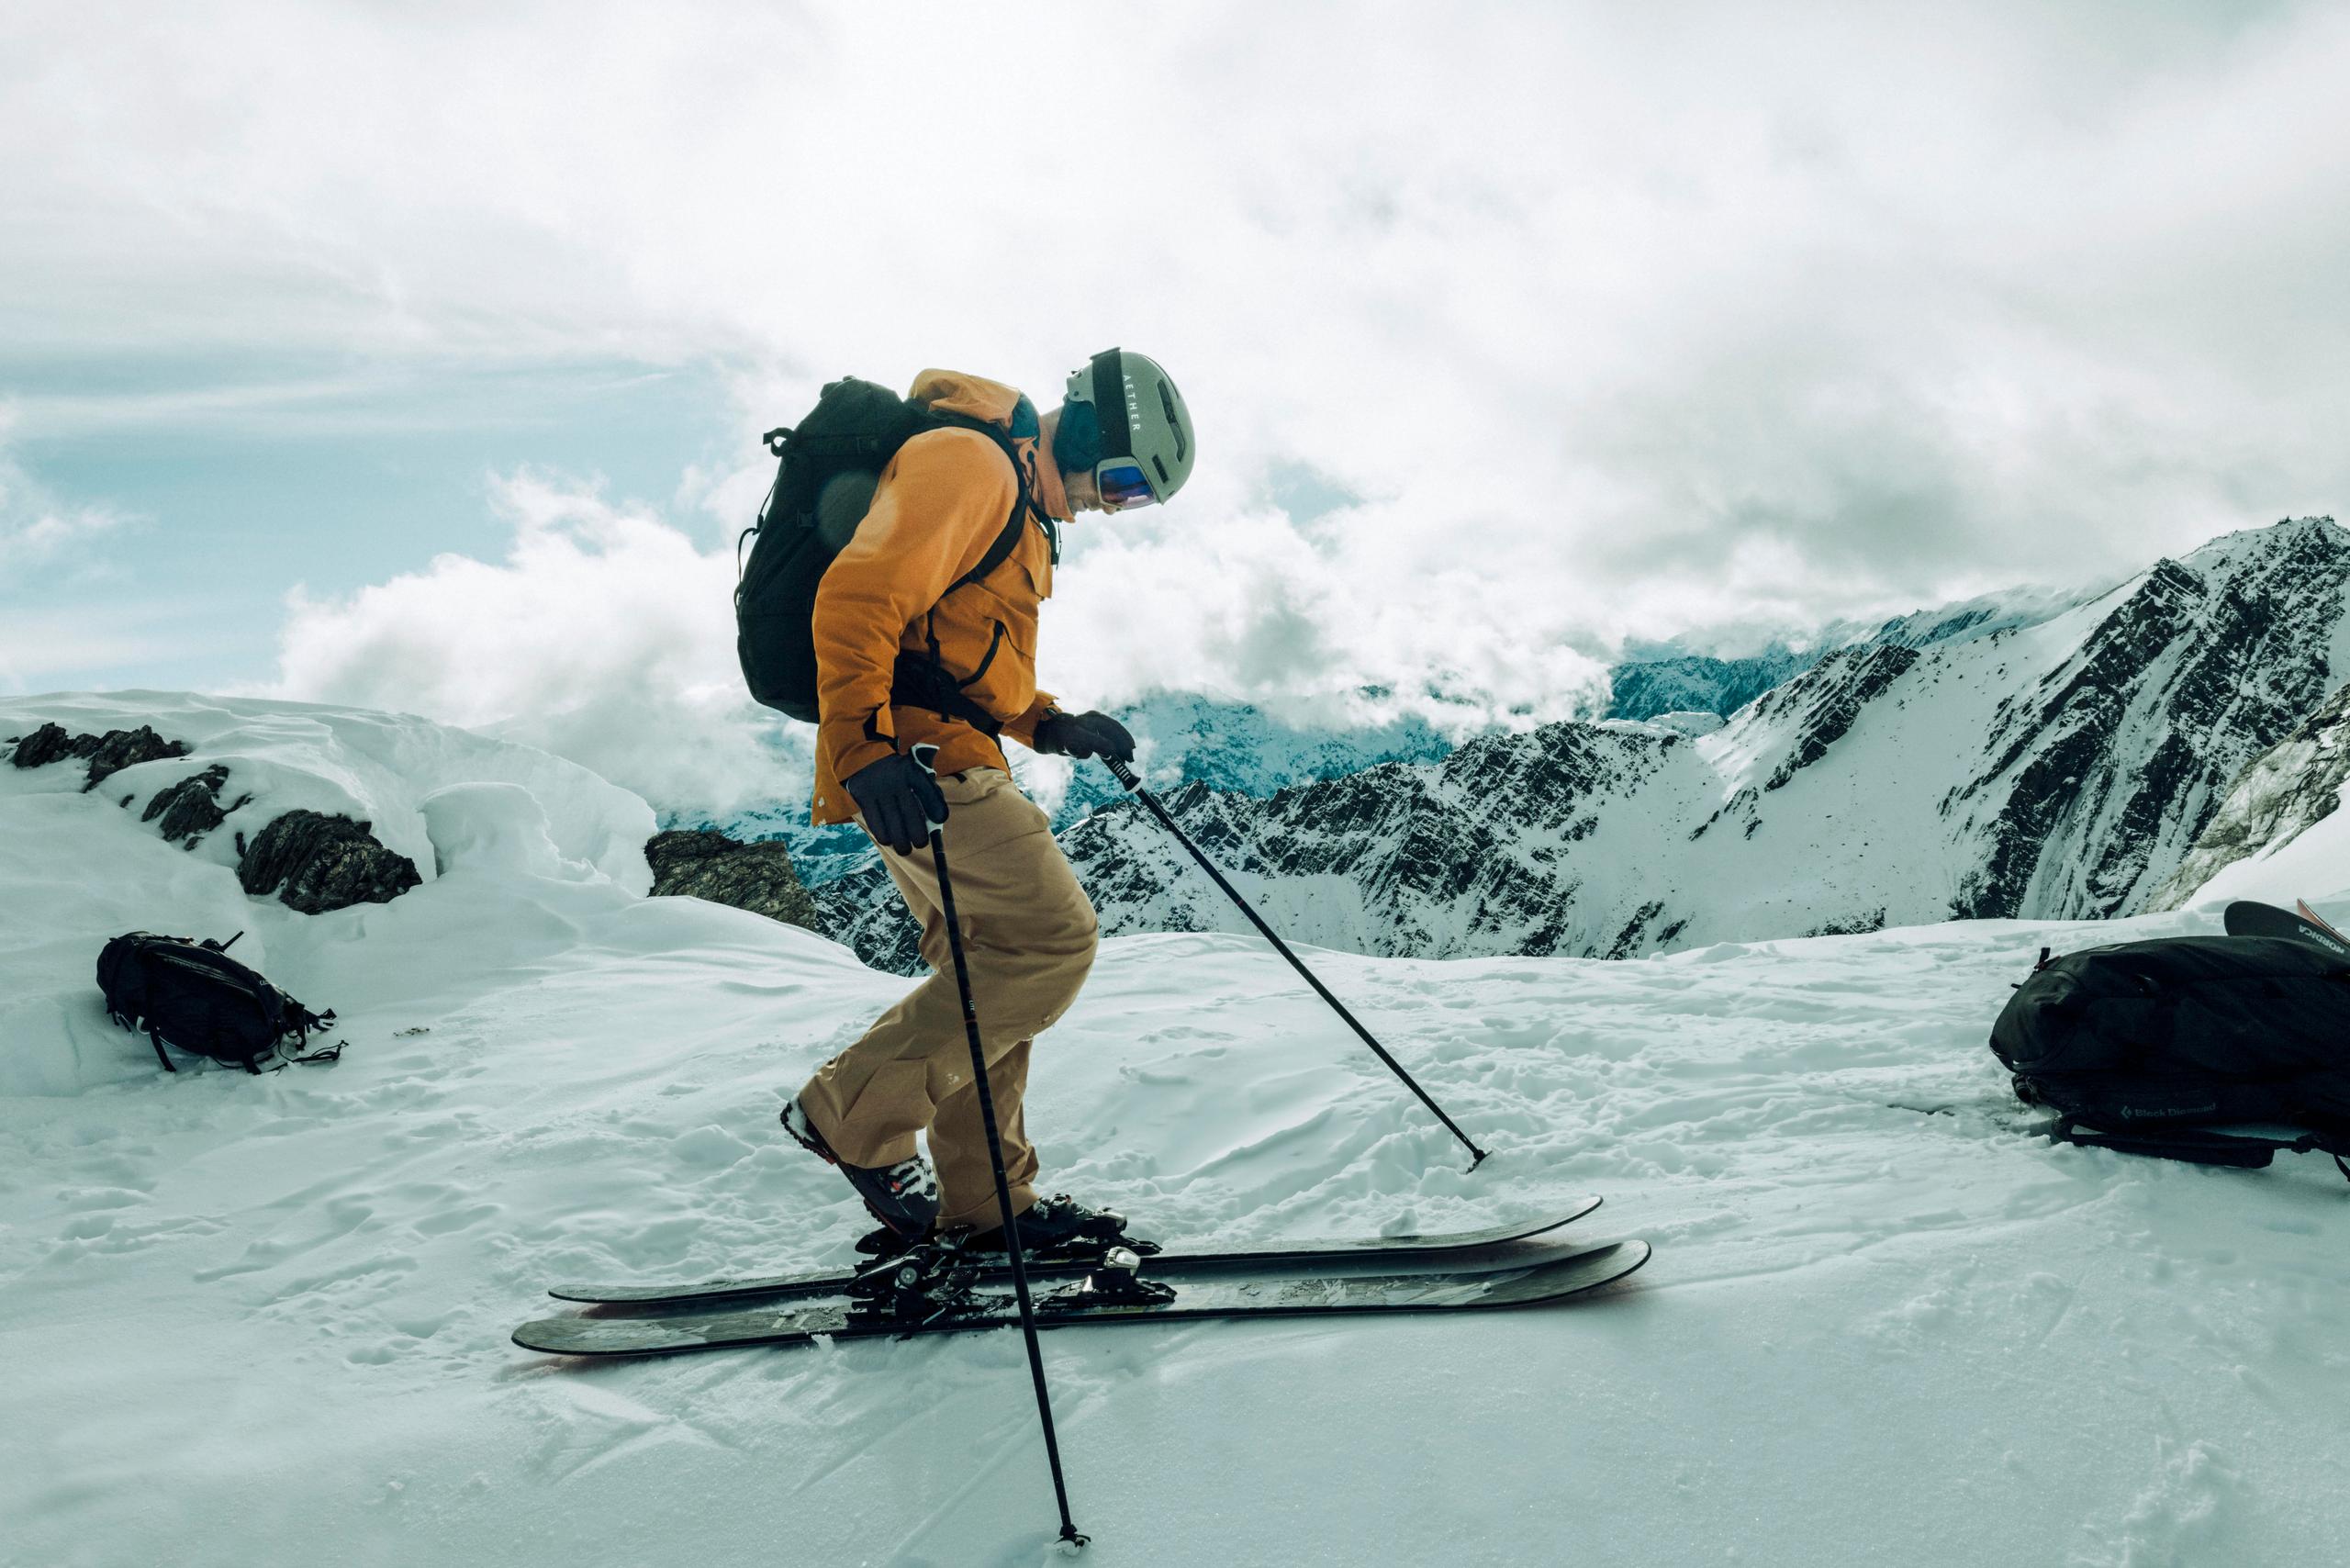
(900, 799)
(1084, 734)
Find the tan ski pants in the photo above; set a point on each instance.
(1028, 937)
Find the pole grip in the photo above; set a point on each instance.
(925, 758)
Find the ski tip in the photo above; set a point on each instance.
(2249, 917)
(2318, 919)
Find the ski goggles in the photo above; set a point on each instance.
(1121, 483)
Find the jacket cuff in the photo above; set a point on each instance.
(1024, 728)
(858, 756)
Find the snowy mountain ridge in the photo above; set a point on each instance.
(1656, 678)
(1993, 761)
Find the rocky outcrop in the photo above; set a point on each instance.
(864, 913)
(107, 754)
(1821, 704)
(316, 863)
(2283, 792)
(2101, 775)
(756, 876)
(189, 810)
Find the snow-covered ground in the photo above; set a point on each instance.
(263, 1322)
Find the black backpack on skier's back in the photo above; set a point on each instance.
(830, 464)
(193, 995)
(2152, 1043)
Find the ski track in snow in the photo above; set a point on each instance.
(263, 1321)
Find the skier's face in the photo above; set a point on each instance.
(1083, 493)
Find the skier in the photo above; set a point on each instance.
(915, 646)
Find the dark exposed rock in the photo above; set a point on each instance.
(316, 863)
(863, 912)
(2107, 772)
(2281, 793)
(192, 808)
(1627, 943)
(107, 754)
(1831, 695)
(756, 876)
(118, 749)
(47, 745)
(1859, 925)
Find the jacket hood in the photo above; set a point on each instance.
(952, 392)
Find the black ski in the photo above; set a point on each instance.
(1396, 1249)
(1269, 1295)
(2246, 918)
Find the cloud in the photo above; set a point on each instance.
(604, 635)
(1590, 321)
(42, 536)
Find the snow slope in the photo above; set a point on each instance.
(263, 1322)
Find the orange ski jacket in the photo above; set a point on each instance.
(941, 502)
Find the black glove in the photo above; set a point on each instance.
(900, 799)
(1084, 734)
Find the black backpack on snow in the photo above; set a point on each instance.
(193, 995)
(830, 465)
(2151, 1044)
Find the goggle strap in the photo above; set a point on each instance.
(1110, 403)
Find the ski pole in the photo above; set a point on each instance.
(1133, 783)
(924, 757)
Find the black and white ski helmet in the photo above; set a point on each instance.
(1147, 448)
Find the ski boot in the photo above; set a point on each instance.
(882, 1244)
(903, 1197)
(1060, 1229)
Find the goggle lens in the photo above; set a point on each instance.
(1121, 485)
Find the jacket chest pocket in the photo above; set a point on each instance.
(1007, 618)
(985, 632)
(1008, 601)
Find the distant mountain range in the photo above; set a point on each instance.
(1240, 749)
(1233, 747)
(2034, 755)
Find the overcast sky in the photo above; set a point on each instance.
(415, 354)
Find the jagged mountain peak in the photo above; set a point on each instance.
(2259, 549)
